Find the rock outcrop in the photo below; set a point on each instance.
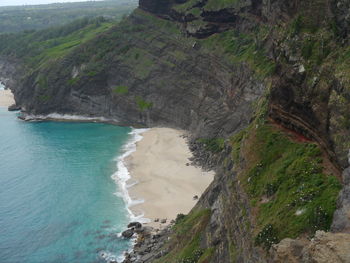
(341, 219)
(323, 248)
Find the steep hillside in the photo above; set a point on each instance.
(130, 77)
(263, 88)
(36, 17)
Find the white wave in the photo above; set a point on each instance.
(110, 257)
(68, 117)
(122, 175)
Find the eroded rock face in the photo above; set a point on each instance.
(155, 6)
(341, 219)
(288, 250)
(325, 247)
(8, 69)
(229, 229)
(342, 10)
(171, 84)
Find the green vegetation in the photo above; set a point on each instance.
(73, 81)
(314, 50)
(240, 47)
(290, 192)
(92, 74)
(220, 4)
(121, 90)
(343, 63)
(185, 6)
(38, 48)
(142, 104)
(58, 52)
(161, 24)
(214, 145)
(266, 237)
(286, 183)
(295, 26)
(36, 17)
(185, 244)
(42, 82)
(232, 251)
(44, 98)
(236, 144)
(195, 11)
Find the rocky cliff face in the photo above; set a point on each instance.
(150, 76)
(263, 88)
(9, 72)
(324, 247)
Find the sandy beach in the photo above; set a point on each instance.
(6, 98)
(165, 180)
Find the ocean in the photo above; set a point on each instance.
(63, 194)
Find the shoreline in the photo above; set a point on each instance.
(66, 118)
(162, 181)
(122, 174)
(162, 153)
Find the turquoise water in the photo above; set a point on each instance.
(58, 202)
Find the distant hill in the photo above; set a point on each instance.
(30, 17)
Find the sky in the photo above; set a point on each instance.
(34, 2)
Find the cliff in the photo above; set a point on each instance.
(263, 88)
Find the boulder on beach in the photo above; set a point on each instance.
(128, 233)
(135, 225)
(14, 107)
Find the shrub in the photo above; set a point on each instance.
(142, 104)
(121, 90)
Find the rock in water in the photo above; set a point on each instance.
(128, 233)
(14, 107)
(135, 224)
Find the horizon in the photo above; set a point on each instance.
(39, 2)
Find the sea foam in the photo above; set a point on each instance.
(122, 176)
(66, 117)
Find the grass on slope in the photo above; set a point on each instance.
(185, 243)
(59, 47)
(38, 48)
(186, 6)
(240, 47)
(286, 183)
(211, 5)
(38, 17)
(215, 5)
